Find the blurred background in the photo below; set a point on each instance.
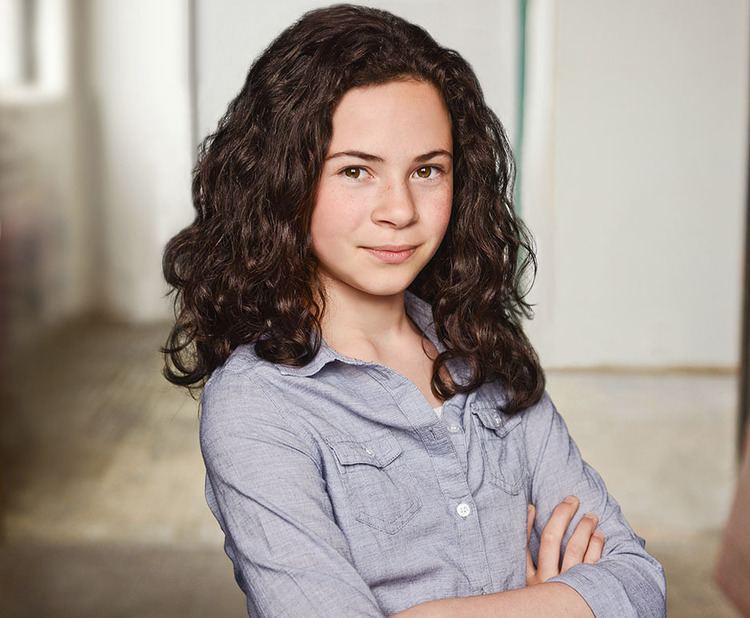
(630, 123)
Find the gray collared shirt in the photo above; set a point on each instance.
(341, 493)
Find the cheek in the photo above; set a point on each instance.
(333, 217)
(442, 208)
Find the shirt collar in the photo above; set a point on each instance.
(418, 310)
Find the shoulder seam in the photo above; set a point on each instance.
(290, 424)
(224, 371)
(547, 434)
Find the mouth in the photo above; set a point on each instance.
(393, 248)
(395, 254)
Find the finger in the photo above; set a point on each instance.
(530, 568)
(579, 541)
(596, 545)
(548, 561)
(531, 512)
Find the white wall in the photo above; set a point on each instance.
(139, 73)
(635, 180)
(231, 34)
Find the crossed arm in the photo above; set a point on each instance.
(623, 581)
(539, 597)
(290, 557)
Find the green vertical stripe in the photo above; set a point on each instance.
(520, 99)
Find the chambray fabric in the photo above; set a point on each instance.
(340, 492)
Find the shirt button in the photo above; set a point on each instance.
(454, 428)
(463, 509)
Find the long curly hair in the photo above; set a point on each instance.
(244, 272)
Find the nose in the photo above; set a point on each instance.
(396, 205)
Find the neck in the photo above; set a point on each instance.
(365, 325)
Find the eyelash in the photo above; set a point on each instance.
(359, 167)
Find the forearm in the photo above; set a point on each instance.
(546, 599)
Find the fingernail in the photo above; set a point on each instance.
(571, 500)
(591, 516)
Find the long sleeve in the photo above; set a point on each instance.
(626, 581)
(264, 485)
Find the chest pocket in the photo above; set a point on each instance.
(379, 485)
(502, 446)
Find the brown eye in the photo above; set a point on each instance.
(356, 175)
(427, 168)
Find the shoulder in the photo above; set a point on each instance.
(538, 422)
(236, 393)
(546, 432)
(538, 417)
(241, 418)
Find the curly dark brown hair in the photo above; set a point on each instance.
(244, 272)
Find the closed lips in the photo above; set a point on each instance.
(393, 248)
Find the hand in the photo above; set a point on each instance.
(585, 545)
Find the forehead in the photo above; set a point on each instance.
(388, 115)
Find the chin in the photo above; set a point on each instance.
(388, 285)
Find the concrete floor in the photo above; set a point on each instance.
(104, 508)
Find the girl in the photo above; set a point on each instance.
(375, 424)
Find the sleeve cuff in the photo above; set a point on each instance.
(602, 592)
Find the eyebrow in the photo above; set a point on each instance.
(371, 157)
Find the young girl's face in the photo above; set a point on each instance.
(387, 180)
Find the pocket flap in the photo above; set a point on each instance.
(497, 420)
(377, 451)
